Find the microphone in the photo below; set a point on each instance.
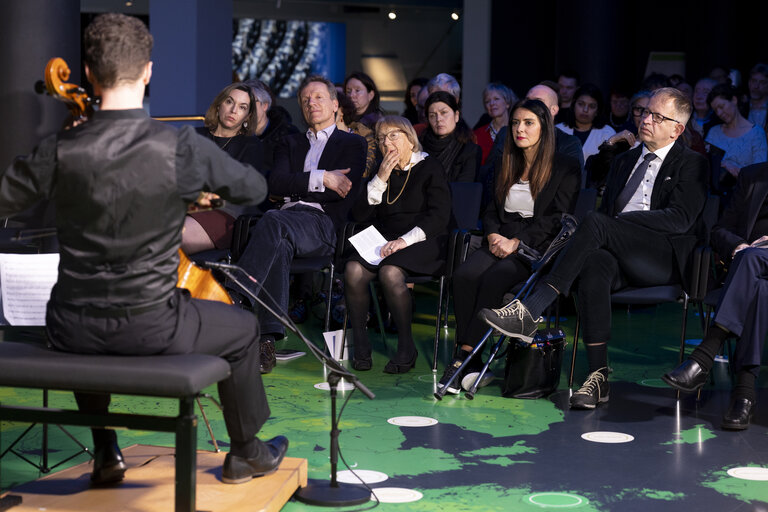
(220, 266)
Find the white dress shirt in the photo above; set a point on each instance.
(641, 200)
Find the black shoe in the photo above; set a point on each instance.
(393, 367)
(449, 372)
(108, 465)
(739, 414)
(267, 359)
(688, 377)
(513, 320)
(299, 312)
(238, 470)
(594, 391)
(363, 364)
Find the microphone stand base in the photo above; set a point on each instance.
(322, 494)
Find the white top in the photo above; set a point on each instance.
(596, 137)
(317, 142)
(377, 187)
(519, 199)
(641, 200)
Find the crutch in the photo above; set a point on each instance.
(569, 224)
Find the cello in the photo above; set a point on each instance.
(200, 282)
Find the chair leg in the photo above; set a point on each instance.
(438, 321)
(186, 456)
(327, 324)
(683, 328)
(575, 345)
(207, 425)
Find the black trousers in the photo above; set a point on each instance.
(182, 325)
(607, 254)
(481, 282)
(743, 306)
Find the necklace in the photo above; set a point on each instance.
(225, 144)
(408, 175)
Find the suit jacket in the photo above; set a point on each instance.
(558, 196)
(343, 150)
(677, 199)
(739, 218)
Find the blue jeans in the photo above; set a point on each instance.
(278, 238)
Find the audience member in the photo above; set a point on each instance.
(361, 89)
(273, 122)
(447, 83)
(449, 140)
(411, 112)
(587, 120)
(409, 202)
(703, 118)
(758, 95)
(567, 82)
(534, 186)
(497, 100)
(619, 115)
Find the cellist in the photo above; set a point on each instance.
(121, 183)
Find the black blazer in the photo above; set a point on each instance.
(558, 196)
(677, 199)
(739, 218)
(343, 150)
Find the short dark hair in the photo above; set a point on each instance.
(346, 107)
(462, 132)
(116, 48)
(212, 114)
(596, 94)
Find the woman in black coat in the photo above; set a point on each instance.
(409, 202)
(534, 187)
(449, 139)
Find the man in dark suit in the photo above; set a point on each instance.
(741, 310)
(319, 174)
(642, 236)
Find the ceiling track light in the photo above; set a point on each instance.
(455, 15)
(392, 14)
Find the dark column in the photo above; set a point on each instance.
(192, 54)
(33, 31)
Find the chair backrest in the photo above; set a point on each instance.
(586, 203)
(465, 204)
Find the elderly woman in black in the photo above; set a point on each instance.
(409, 202)
(534, 187)
(449, 139)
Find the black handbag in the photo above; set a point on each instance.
(533, 370)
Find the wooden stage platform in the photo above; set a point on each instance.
(148, 486)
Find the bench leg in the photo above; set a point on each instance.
(186, 455)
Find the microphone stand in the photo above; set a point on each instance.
(317, 493)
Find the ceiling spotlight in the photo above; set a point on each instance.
(128, 4)
(392, 15)
(455, 15)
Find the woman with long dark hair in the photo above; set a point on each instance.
(229, 122)
(587, 119)
(533, 188)
(449, 139)
(361, 89)
(411, 112)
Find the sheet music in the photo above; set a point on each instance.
(25, 285)
(368, 244)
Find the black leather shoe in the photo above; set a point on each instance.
(687, 377)
(393, 367)
(238, 470)
(739, 414)
(362, 364)
(108, 465)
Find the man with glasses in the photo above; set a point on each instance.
(318, 173)
(642, 236)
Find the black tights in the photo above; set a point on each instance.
(392, 278)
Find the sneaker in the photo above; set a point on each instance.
(450, 370)
(267, 359)
(299, 312)
(513, 320)
(594, 391)
(469, 380)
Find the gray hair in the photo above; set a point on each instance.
(260, 91)
(680, 102)
(505, 92)
(445, 82)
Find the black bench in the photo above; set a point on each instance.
(28, 365)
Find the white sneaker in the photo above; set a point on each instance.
(469, 380)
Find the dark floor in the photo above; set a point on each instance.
(494, 453)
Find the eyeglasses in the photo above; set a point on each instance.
(637, 111)
(392, 136)
(655, 116)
